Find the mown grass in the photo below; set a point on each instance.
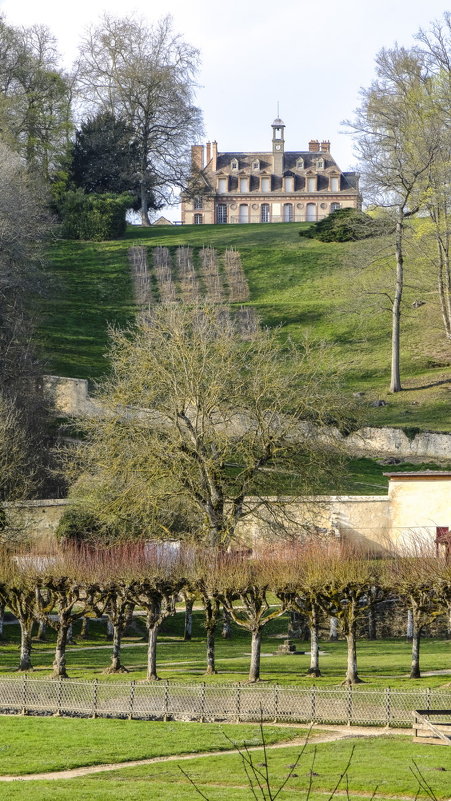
(304, 286)
(383, 763)
(382, 663)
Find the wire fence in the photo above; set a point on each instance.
(217, 702)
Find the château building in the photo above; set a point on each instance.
(277, 186)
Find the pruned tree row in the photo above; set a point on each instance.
(312, 580)
(236, 279)
(214, 290)
(142, 289)
(162, 265)
(189, 285)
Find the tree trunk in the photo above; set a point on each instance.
(25, 646)
(116, 666)
(2, 619)
(144, 205)
(211, 641)
(296, 626)
(59, 663)
(84, 632)
(188, 631)
(109, 629)
(152, 654)
(351, 673)
(226, 625)
(409, 629)
(333, 629)
(395, 379)
(254, 669)
(42, 631)
(314, 646)
(416, 636)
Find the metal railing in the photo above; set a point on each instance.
(217, 702)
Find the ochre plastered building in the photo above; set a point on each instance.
(276, 186)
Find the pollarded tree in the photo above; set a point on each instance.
(246, 586)
(146, 76)
(220, 412)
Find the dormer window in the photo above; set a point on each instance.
(234, 164)
(244, 184)
(256, 164)
(320, 164)
(300, 163)
(222, 185)
(334, 185)
(311, 183)
(289, 183)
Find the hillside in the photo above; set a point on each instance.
(304, 286)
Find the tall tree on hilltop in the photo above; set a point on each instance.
(35, 97)
(145, 75)
(397, 142)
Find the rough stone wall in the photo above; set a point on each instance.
(38, 519)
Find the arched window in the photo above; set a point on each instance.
(334, 207)
(221, 213)
(264, 213)
(288, 212)
(310, 214)
(198, 219)
(320, 164)
(243, 214)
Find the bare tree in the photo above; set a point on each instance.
(146, 76)
(397, 142)
(220, 411)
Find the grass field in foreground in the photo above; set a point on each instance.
(382, 663)
(383, 763)
(305, 286)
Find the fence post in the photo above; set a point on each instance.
(24, 694)
(60, 696)
(131, 700)
(349, 707)
(276, 703)
(387, 706)
(94, 698)
(313, 704)
(166, 700)
(428, 698)
(202, 703)
(238, 700)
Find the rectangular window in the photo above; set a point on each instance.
(198, 204)
(221, 213)
(244, 184)
(222, 185)
(334, 185)
(266, 184)
(311, 184)
(289, 184)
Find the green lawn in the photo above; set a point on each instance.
(303, 285)
(382, 663)
(383, 762)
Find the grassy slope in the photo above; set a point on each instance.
(301, 284)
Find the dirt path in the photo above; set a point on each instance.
(330, 735)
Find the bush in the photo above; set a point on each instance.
(77, 525)
(345, 225)
(94, 217)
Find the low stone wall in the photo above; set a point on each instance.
(38, 519)
(70, 398)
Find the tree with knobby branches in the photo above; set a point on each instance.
(195, 422)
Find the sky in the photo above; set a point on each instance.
(310, 58)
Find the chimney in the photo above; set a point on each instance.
(325, 146)
(197, 156)
(214, 155)
(313, 146)
(208, 153)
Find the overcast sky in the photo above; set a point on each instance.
(311, 57)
